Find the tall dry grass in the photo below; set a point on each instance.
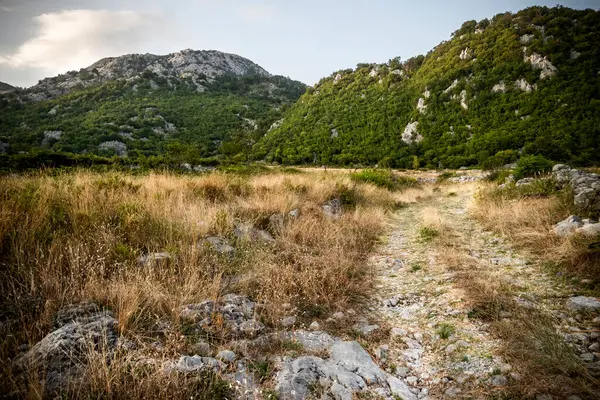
(528, 222)
(77, 236)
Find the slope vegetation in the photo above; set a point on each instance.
(524, 83)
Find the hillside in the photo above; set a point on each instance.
(187, 105)
(524, 83)
(5, 87)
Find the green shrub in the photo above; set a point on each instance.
(427, 234)
(532, 165)
(383, 178)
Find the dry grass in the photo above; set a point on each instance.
(77, 236)
(530, 342)
(528, 223)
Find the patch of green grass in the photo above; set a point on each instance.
(416, 267)
(445, 330)
(538, 188)
(262, 369)
(291, 345)
(427, 234)
(384, 178)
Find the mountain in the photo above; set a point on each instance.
(186, 105)
(5, 87)
(515, 84)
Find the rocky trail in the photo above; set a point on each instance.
(435, 346)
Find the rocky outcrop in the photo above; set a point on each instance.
(252, 234)
(233, 315)
(333, 208)
(411, 134)
(348, 369)
(80, 329)
(585, 186)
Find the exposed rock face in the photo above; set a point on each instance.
(61, 354)
(500, 87)
(208, 64)
(234, 313)
(539, 62)
(526, 39)
(51, 135)
(411, 134)
(119, 148)
(421, 105)
(585, 185)
(465, 54)
(349, 369)
(523, 85)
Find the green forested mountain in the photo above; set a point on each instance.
(516, 84)
(187, 105)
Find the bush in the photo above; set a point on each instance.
(532, 165)
(383, 178)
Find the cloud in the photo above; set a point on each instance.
(256, 12)
(74, 39)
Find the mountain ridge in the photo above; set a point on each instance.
(524, 83)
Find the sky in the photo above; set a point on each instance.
(304, 40)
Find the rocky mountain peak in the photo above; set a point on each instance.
(198, 65)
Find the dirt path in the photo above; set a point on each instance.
(438, 350)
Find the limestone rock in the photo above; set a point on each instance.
(585, 186)
(583, 303)
(248, 232)
(220, 245)
(568, 226)
(152, 259)
(333, 208)
(61, 353)
(227, 356)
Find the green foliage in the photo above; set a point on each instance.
(444, 176)
(168, 125)
(532, 165)
(445, 330)
(427, 234)
(383, 178)
(357, 117)
(538, 188)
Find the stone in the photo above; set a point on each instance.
(227, 356)
(365, 329)
(499, 380)
(397, 332)
(402, 372)
(399, 389)
(61, 353)
(193, 364)
(382, 352)
(288, 321)
(353, 357)
(333, 208)
(452, 391)
(314, 326)
(594, 348)
(583, 303)
(585, 186)
(201, 348)
(153, 259)
(220, 245)
(295, 213)
(338, 315)
(524, 181)
(251, 328)
(243, 383)
(589, 230)
(248, 232)
(587, 357)
(313, 341)
(567, 226)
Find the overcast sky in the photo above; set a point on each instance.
(302, 39)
